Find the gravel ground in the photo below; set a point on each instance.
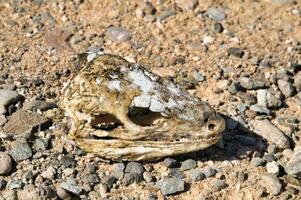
(243, 57)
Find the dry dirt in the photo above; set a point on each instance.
(41, 40)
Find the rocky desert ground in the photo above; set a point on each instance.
(241, 56)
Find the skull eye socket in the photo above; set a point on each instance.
(143, 116)
(106, 122)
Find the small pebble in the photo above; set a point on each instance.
(216, 14)
(170, 163)
(256, 162)
(218, 185)
(272, 184)
(21, 151)
(208, 171)
(237, 52)
(170, 185)
(293, 167)
(5, 163)
(286, 87)
(187, 4)
(188, 164)
(196, 174)
(118, 34)
(218, 27)
(271, 133)
(134, 167)
(71, 186)
(272, 167)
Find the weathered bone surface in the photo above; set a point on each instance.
(122, 111)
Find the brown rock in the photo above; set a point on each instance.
(23, 123)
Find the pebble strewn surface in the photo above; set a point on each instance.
(242, 57)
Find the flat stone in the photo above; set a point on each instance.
(49, 173)
(260, 109)
(118, 34)
(147, 176)
(271, 183)
(8, 97)
(293, 167)
(170, 185)
(22, 123)
(21, 151)
(216, 14)
(5, 163)
(271, 133)
(188, 164)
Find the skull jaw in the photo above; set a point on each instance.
(124, 150)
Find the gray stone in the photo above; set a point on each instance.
(170, 163)
(218, 184)
(14, 184)
(108, 181)
(21, 151)
(170, 185)
(134, 167)
(257, 161)
(188, 164)
(237, 52)
(208, 172)
(196, 174)
(271, 183)
(71, 186)
(260, 109)
(187, 4)
(5, 163)
(271, 133)
(68, 161)
(118, 34)
(272, 167)
(23, 123)
(250, 84)
(40, 144)
(130, 178)
(293, 167)
(8, 97)
(286, 87)
(216, 14)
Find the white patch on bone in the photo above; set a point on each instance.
(156, 106)
(92, 55)
(142, 101)
(114, 85)
(141, 80)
